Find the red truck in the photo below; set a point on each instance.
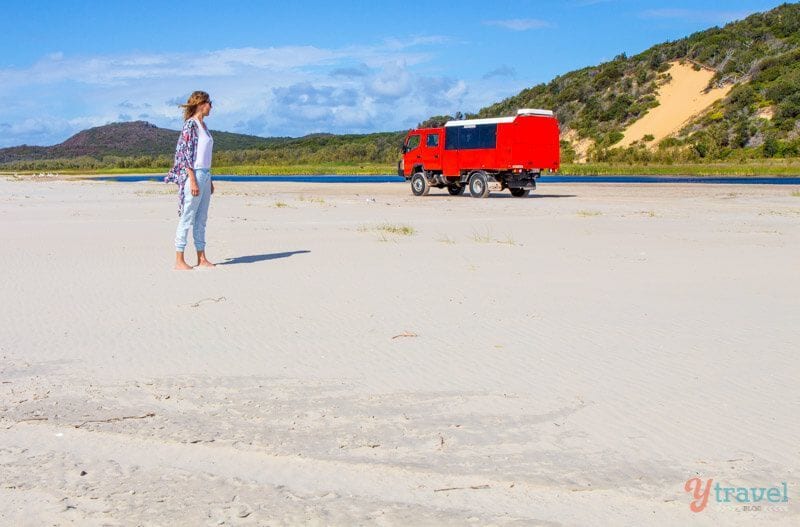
(482, 154)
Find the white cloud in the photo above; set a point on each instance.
(519, 24)
(360, 70)
(276, 91)
(397, 43)
(502, 71)
(392, 82)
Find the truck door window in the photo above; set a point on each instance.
(413, 142)
(432, 141)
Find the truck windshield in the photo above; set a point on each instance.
(412, 143)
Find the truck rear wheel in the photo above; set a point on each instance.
(520, 192)
(455, 189)
(420, 185)
(478, 185)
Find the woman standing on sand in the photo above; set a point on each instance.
(193, 166)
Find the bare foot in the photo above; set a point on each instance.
(182, 266)
(202, 261)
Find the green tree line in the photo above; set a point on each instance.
(381, 148)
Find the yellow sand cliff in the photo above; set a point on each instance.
(681, 99)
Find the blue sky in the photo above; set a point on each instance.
(293, 68)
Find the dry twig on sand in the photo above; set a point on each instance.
(26, 421)
(474, 487)
(199, 302)
(115, 419)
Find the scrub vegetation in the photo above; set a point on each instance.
(759, 56)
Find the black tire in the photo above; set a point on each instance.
(456, 189)
(520, 192)
(420, 185)
(479, 185)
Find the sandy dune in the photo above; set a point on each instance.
(568, 359)
(679, 100)
(581, 146)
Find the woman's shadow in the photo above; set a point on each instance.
(260, 257)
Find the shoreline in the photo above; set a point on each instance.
(388, 178)
(789, 167)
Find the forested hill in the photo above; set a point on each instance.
(128, 139)
(144, 145)
(759, 55)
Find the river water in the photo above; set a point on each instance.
(542, 180)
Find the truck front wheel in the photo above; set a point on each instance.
(420, 185)
(478, 185)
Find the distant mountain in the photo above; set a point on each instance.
(144, 145)
(137, 138)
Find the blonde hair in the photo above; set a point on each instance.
(195, 99)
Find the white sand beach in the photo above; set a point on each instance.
(567, 359)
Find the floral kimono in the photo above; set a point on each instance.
(185, 154)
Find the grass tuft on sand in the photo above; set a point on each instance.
(400, 230)
(385, 230)
(589, 213)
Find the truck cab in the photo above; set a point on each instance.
(422, 149)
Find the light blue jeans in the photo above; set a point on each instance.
(195, 212)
